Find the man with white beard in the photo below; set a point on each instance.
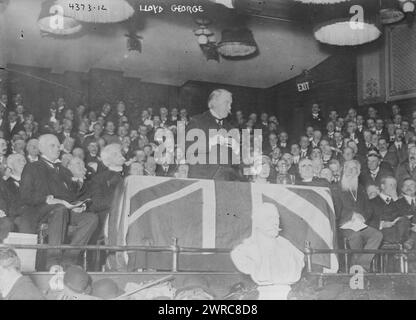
(353, 211)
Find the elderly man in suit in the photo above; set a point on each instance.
(219, 104)
(46, 189)
(353, 213)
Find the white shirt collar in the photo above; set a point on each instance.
(49, 162)
(385, 197)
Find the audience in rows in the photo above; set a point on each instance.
(63, 170)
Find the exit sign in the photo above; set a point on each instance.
(303, 86)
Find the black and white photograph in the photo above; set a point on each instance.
(231, 151)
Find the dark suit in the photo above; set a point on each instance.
(318, 123)
(368, 238)
(366, 178)
(10, 132)
(403, 172)
(391, 158)
(381, 211)
(401, 153)
(101, 192)
(205, 122)
(170, 172)
(6, 223)
(39, 180)
(61, 136)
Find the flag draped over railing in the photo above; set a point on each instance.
(212, 214)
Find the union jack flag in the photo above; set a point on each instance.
(213, 214)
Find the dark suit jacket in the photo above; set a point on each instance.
(403, 172)
(317, 124)
(345, 204)
(205, 122)
(11, 132)
(40, 180)
(366, 179)
(381, 211)
(401, 154)
(170, 173)
(10, 194)
(392, 159)
(61, 137)
(405, 209)
(102, 189)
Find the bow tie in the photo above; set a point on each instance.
(388, 200)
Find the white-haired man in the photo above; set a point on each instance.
(219, 104)
(46, 190)
(353, 212)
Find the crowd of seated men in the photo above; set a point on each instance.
(62, 169)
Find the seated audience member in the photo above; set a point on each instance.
(352, 211)
(10, 193)
(327, 154)
(386, 155)
(315, 119)
(68, 145)
(283, 142)
(261, 170)
(66, 131)
(182, 171)
(317, 136)
(307, 175)
(407, 169)
(271, 143)
(275, 156)
(336, 170)
(140, 156)
(65, 158)
(330, 132)
(372, 191)
(292, 168)
(32, 149)
(6, 221)
(374, 172)
(386, 215)
(360, 124)
(317, 166)
(104, 183)
(18, 144)
(283, 176)
(326, 174)
(94, 136)
(407, 208)
(14, 285)
(78, 153)
(166, 167)
(3, 158)
(316, 154)
(150, 166)
(295, 152)
(109, 136)
(45, 190)
(305, 148)
(136, 169)
(399, 146)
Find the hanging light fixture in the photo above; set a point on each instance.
(347, 24)
(321, 1)
(52, 20)
(97, 11)
(237, 42)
